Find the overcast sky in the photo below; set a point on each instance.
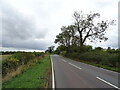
(34, 24)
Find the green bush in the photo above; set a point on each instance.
(17, 59)
(63, 53)
(37, 54)
(98, 57)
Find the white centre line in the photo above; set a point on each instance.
(108, 83)
(75, 66)
(63, 60)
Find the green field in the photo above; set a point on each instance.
(37, 76)
(3, 57)
(0, 57)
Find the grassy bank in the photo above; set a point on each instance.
(101, 66)
(37, 76)
(98, 58)
(18, 60)
(116, 69)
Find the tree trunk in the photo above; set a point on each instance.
(81, 40)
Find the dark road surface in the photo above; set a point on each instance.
(73, 74)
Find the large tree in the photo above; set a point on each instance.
(86, 26)
(89, 28)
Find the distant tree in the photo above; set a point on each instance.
(60, 49)
(98, 48)
(50, 49)
(88, 48)
(118, 50)
(109, 48)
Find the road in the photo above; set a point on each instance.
(73, 74)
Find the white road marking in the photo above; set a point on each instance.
(75, 66)
(95, 66)
(108, 83)
(63, 60)
(53, 80)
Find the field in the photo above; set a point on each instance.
(0, 59)
(5, 56)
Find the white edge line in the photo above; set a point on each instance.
(108, 83)
(53, 79)
(75, 66)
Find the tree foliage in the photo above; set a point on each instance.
(50, 49)
(85, 27)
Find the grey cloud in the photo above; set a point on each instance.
(19, 31)
(14, 25)
(28, 44)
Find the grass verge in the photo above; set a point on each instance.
(101, 66)
(37, 76)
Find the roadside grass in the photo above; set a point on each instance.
(98, 58)
(116, 69)
(37, 76)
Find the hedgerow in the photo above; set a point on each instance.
(17, 59)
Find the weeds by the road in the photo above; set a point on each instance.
(35, 77)
(18, 59)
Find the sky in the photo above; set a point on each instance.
(34, 24)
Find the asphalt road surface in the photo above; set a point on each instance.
(73, 74)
